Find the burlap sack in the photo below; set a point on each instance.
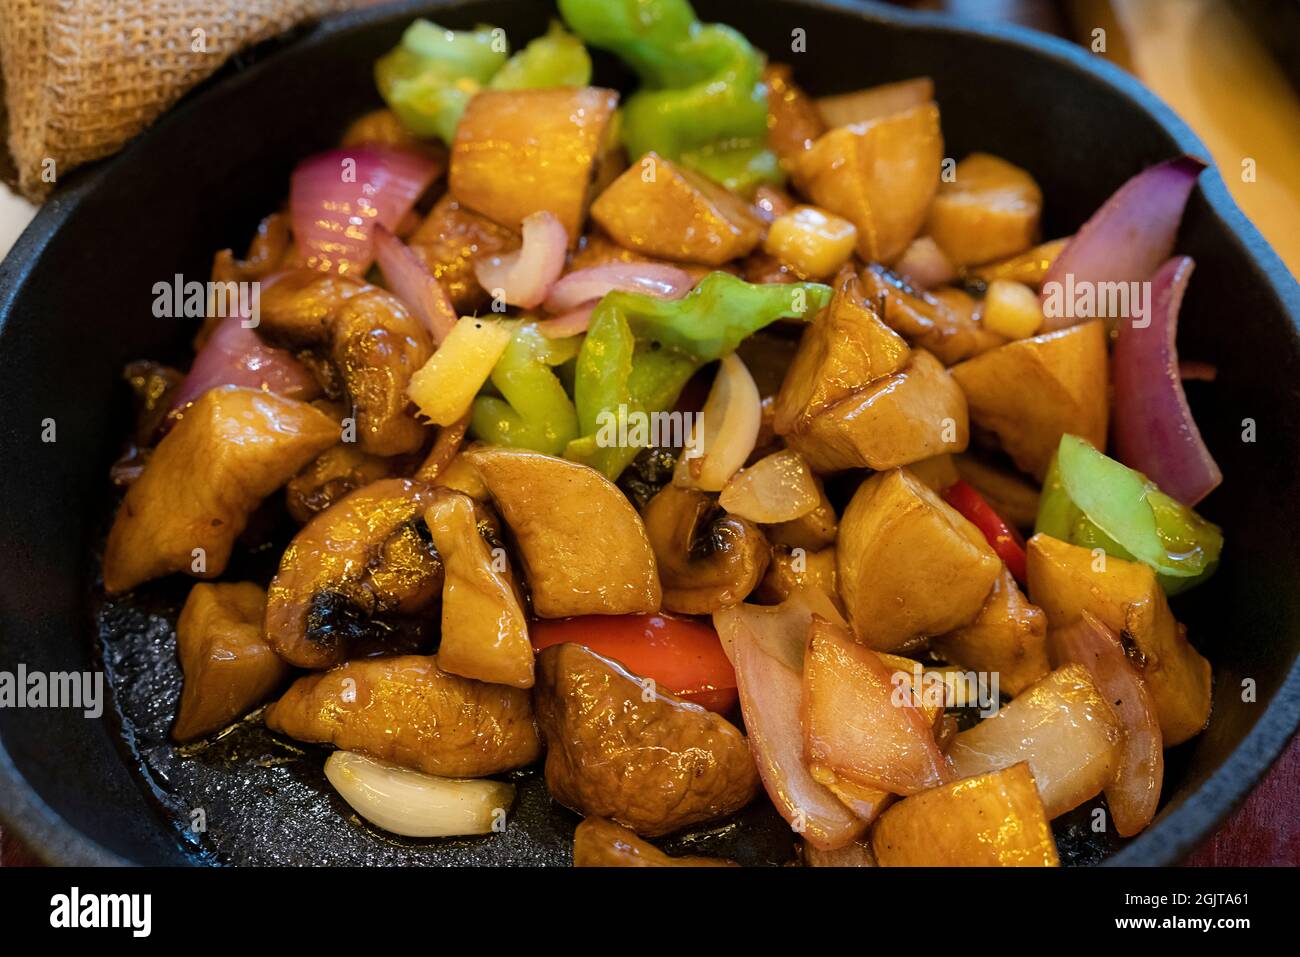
(81, 77)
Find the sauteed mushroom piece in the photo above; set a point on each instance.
(445, 449)
(461, 476)
(407, 711)
(677, 214)
(228, 665)
(1008, 492)
(994, 820)
(856, 395)
(374, 342)
(484, 631)
(360, 558)
(298, 305)
(810, 532)
(1008, 636)
(582, 544)
(880, 175)
(708, 559)
(1033, 391)
(1066, 580)
(448, 242)
(620, 748)
(232, 449)
(945, 322)
(598, 842)
(793, 121)
(909, 565)
(333, 474)
(520, 151)
(791, 569)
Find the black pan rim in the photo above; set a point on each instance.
(1176, 831)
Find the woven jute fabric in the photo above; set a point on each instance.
(81, 77)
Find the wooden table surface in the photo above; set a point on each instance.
(1265, 829)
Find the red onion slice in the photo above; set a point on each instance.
(854, 723)
(1135, 791)
(780, 630)
(525, 276)
(411, 282)
(589, 285)
(1125, 240)
(235, 355)
(924, 265)
(572, 323)
(770, 696)
(336, 197)
(1152, 426)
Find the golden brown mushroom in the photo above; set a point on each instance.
(707, 558)
(945, 322)
(298, 305)
(792, 569)
(371, 339)
(1008, 492)
(361, 558)
(857, 396)
(407, 711)
(793, 121)
(1066, 580)
(228, 666)
(1033, 391)
(449, 240)
(334, 473)
(518, 152)
(909, 565)
(620, 748)
(676, 213)
(1008, 636)
(231, 449)
(583, 547)
(484, 631)
(598, 842)
(880, 175)
(994, 820)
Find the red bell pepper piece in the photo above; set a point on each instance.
(683, 656)
(1005, 540)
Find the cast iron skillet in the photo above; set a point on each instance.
(75, 297)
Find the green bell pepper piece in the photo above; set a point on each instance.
(556, 59)
(640, 352)
(533, 410)
(1091, 500)
(703, 101)
(642, 33)
(604, 367)
(718, 314)
(654, 381)
(429, 78)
